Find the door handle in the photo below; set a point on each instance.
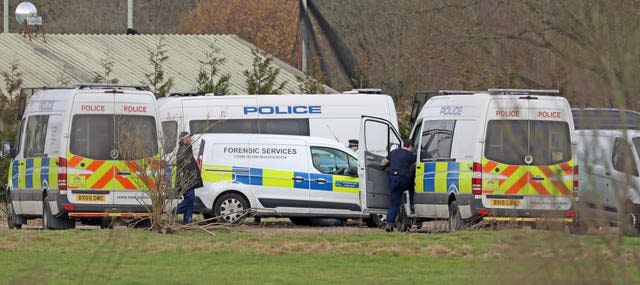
(371, 157)
(123, 173)
(321, 180)
(537, 178)
(298, 178)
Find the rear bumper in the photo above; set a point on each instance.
(520, 215)
(95, 210)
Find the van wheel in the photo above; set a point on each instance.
(631, 220)
(51, 222)
(13, 221)
(376, 220)
(230, 207)
(403, 223)
(456, 223)
(298, 221)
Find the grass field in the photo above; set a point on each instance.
(128, 256)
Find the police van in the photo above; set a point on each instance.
(334, 116)
(73, 155)
(277, 176)
(608, 148)
(499, 155)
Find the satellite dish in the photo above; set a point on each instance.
(24, 11)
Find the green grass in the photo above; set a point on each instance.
(127, 256)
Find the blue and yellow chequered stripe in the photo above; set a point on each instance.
(34, 173)
(279, 178)
(444, 177)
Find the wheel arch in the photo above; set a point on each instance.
(231, 191)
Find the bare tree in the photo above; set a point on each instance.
(104, 76)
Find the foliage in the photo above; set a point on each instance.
(261, 79)
(104, 76)
(209, 71)
(156, 79)
(272, 25)
(10, 103)
(312, 83)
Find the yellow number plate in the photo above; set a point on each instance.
(91, 198)
(505, 203)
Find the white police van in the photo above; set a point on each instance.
(72, 156)
(499, 155)
(608, 148)
(334, 116)
(277, 176)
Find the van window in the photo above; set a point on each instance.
(332, 161)
(19, 137)
(299, 127)
(35, 136)
(170, 135)
(507, 142)
(414, 136)
(622, 157)
(378, 138)
(437, 137)
(95, 136)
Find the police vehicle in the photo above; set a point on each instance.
(73, 154)
(334, 116)
(278, 176)
(499, 155)
(608, 144)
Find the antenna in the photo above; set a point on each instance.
(27, 16)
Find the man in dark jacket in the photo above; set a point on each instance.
(401, 169)
(187, 177)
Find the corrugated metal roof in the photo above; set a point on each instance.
(79, 55)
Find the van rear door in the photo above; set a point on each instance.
(377, 138)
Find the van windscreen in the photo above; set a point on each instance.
(509, 141)
(299, 127)
(98, 136)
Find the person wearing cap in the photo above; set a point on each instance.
(401, 168)
(187, 177)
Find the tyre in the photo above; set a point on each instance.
(230, 206)
(630, 220)
(376, 220)
(298, 221)
(456, 223)
(51, 222)
(403, 223)
(142, 224)
(13, 221)
(579, 228)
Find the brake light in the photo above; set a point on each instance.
(576, 182)
(62, 174)
(476, 179)
(199, 161)
(570, 214)
(68, 207)
(483, 212)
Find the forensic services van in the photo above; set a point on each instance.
(277, 176)
(334, 116)
(608, 148)
(76, 152)
(499, 155)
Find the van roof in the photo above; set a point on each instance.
(605, 119)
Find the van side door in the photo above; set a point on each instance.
(377, 138)
(334, 182)
(623, 175)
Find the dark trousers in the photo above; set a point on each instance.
(186, 206)
(397, 186)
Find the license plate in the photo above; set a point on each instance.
(505, 203)
(91, 198)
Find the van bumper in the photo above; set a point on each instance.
(520, 215)
(94, 210)
(199, 207)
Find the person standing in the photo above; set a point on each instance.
(400, 171)
(187, 177)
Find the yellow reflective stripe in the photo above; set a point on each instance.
(52, 179)
(22, 174)
(419, 186)
(441, 176)
(37, 169)
(277, 178)
(346, 180)
(213, 173)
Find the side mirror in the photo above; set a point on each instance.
(6, 148)
(353, 171)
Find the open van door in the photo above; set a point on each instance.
(377, 138)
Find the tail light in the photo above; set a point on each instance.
(62, 174)
(199, 161)
(476, 179)
(575, 181)
(570, 214)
